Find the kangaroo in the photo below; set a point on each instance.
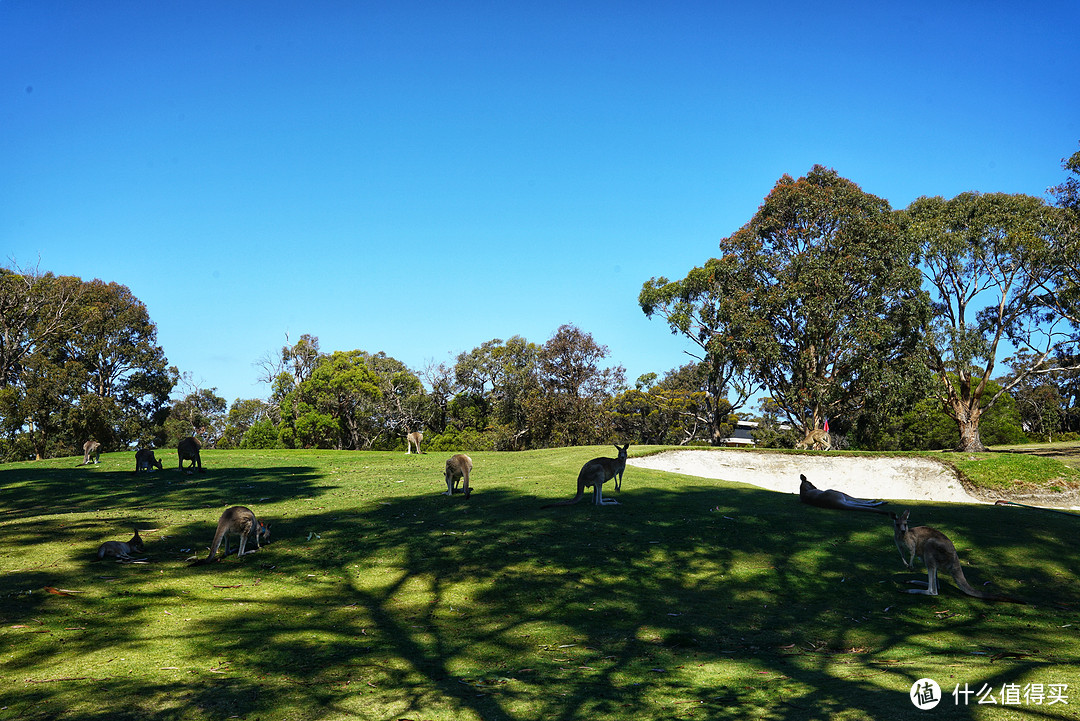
(458, 467)
(838, 500)
(815, 439)
(241, 520)
(595, 473)
(413, 439)
(937, 552)
(91, 449)
(188, 450)
(121, 550)
(145, 460)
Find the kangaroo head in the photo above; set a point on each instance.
(901, 522)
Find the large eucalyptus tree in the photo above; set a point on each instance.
(997, 266)
(816, 298)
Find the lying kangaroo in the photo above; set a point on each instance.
(458, 467)
(816, 439)
(241, 520)
(91, 449)
(595, 473)
(188, 450)
(413, 439)
(121, 550)
(145, 460)
(937, 552)
(838, 500)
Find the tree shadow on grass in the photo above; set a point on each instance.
(730, 602)
(31, 493)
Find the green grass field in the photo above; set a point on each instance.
(380, 598)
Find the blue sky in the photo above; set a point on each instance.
(421, 177)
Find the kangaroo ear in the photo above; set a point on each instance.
(905, 514)
(802, 477)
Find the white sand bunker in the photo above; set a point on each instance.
(885, 478)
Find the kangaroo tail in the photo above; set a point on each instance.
(572, 501)
(218, 535)
(970, 590)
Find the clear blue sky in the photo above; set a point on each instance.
(418, 178)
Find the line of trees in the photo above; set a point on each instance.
(845, 309)
(890, 323)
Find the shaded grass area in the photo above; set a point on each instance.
(380, 598)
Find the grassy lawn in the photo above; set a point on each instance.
(379, 598)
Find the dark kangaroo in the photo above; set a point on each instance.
(145, 460)
(188, 450)
(596, 473)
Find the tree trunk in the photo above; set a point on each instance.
(968, 420)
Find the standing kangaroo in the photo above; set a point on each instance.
(595, 473)
(816, 439)
(458, 467)
(937, 552)
(121, 550)
(91, 449)
(188, 450)
(145, 460)
(413, 439)
(241, 520)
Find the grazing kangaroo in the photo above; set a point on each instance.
(241, 520)
(413, 439)
(188, 450)
(838, 500)
(816, 439)
(458, 467)
(595, 473)
(121, 550)
(937, 552)
(145, 460)
(91, 449)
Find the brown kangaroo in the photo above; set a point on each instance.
(121, 550)
(595, 473)
(413, 439)
(838, 500)
(241, 520)
(937, 552)
(815, 439)
(458, 467)
(91, 449)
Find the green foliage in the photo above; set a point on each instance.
(817, 296)
(681, 409)
(928, 426)
(243, 414)
(995, 263)
(78, 360)
(261, 435)
(465, 440)
(201, 413)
